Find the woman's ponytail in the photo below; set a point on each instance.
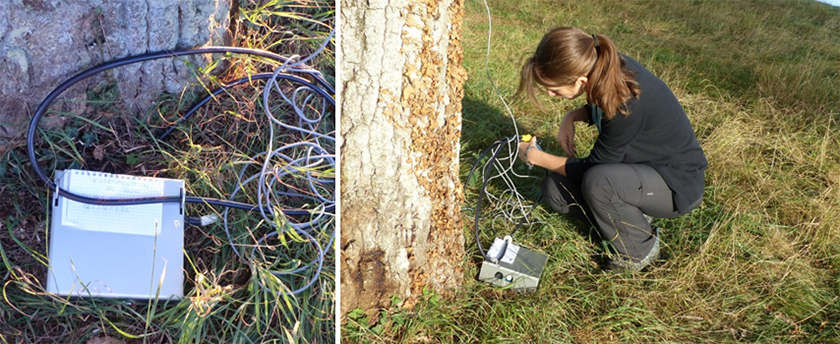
(610, 84)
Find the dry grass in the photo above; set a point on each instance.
(757, 262)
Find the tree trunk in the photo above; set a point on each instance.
(402, 86)
(43, 43)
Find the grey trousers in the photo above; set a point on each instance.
(614, 198)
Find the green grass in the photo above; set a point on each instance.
(759, 261)
(227, 300)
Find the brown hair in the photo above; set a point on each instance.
(566, 53)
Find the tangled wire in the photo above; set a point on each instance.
(303, 170)
(507, 205)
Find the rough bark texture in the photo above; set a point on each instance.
(402, 86)
(44, 42)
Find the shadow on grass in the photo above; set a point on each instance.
(484, 123)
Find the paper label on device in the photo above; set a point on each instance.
(133, 219)
(510, 253)
(495, 249)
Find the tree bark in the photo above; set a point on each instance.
(402, 86)
(43, 43)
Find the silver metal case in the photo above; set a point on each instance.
(521, 273)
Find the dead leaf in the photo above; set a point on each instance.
(98, 153)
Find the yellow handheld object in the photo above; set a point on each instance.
(526, 138)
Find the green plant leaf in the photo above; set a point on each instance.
(356, 314)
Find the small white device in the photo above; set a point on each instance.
(131, 252)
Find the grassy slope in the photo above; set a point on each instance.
(758, 261)
(225, 302)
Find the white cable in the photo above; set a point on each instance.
(487, 68)
(504, 163)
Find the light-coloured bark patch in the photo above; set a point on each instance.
(401, 100)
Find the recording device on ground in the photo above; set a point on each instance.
(505, 263)
(116, 251)
(510, 265)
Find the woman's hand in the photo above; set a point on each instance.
(566, 135)
(531, 154)
(524, 148)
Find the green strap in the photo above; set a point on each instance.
(597, 115)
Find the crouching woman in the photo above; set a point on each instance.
(646, 162)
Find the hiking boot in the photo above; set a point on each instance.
(617, 262)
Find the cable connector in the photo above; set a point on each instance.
(209, 219)
(528, 138)
(498, 249)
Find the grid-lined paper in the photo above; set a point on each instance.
(132, 219)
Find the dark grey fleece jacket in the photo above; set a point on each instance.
(656, 133)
